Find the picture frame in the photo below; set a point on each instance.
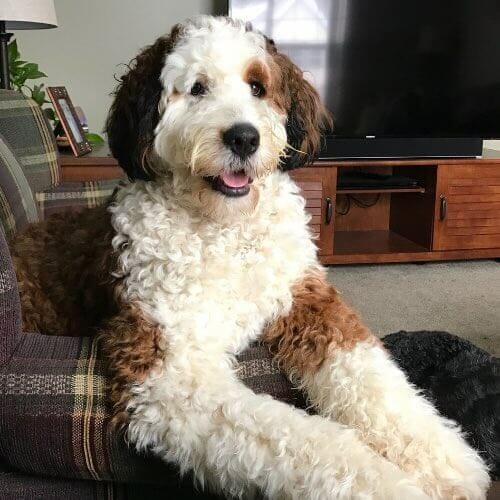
(69, 120)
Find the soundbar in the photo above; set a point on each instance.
(337, 148)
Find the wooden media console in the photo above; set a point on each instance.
(453, 212)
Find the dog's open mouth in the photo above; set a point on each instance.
(232, 183)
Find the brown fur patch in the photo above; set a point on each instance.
(307, 116)
(319, 323)
(133, 346)
(278, 92)
(134, 113)
(258, 71)
(68, 283)
(64, 269)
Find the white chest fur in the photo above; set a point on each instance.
(214, 284)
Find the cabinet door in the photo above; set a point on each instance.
(318, 185)
(467, 210)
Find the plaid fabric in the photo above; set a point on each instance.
(10, 307)
(17, 206)
(15, 486)
(21, 487)
(74, 196)
(258, 371)
(55, 420)
(27, 131)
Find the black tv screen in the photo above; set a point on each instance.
(393, 68)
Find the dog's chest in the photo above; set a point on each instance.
(199, 276)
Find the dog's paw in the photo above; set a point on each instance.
(376, 479)
(361, 474)
(463, 477)
(395, 484)
(449, 468)
(407, 490)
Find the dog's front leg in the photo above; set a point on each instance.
(196, 414)
(351, 379)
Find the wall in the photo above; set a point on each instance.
(95, 37)
(492, 145)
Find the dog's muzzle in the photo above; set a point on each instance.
(243, 140)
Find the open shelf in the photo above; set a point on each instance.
(374, 242)
(380, 190)
(390, 223)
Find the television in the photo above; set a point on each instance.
(411, 78)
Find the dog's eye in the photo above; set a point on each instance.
(198, 89)
(258, 89)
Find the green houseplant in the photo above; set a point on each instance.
(21, 74)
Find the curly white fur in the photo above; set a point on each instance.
(212, 287)
(212, 277)
(188, 133)
(364, 389)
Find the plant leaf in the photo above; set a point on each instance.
(38, 95)
(21, 71)
(20, 78)
(16, 64)
(49, 113)
(32, 72)
(13, 51)
(94, 138)
(31, 67)
(38, 74)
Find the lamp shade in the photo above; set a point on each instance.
(28, 14)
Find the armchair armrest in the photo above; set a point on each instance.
(55, 419)
(10, 308)
(75, 196)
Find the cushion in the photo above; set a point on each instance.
(17, 205)
(74, 196)
(28, 132)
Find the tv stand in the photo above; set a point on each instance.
(453, 213)
(336, 148)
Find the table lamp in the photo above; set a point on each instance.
(21, 15)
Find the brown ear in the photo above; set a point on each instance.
(134, 113)
(307, 117)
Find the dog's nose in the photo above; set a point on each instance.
(242, 139)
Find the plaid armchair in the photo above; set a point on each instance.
(56, 438)
(30, 180)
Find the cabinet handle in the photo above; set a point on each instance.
(442, 207)
(329, 210)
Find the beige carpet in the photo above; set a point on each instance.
(459, 297)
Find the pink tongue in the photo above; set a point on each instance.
(235, 180)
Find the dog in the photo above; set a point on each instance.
(462, 380)
(207, 250)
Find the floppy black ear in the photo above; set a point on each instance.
(307, 118)
(134, 113)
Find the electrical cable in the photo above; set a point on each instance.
(359, 203)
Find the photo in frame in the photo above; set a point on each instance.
(69, 120)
